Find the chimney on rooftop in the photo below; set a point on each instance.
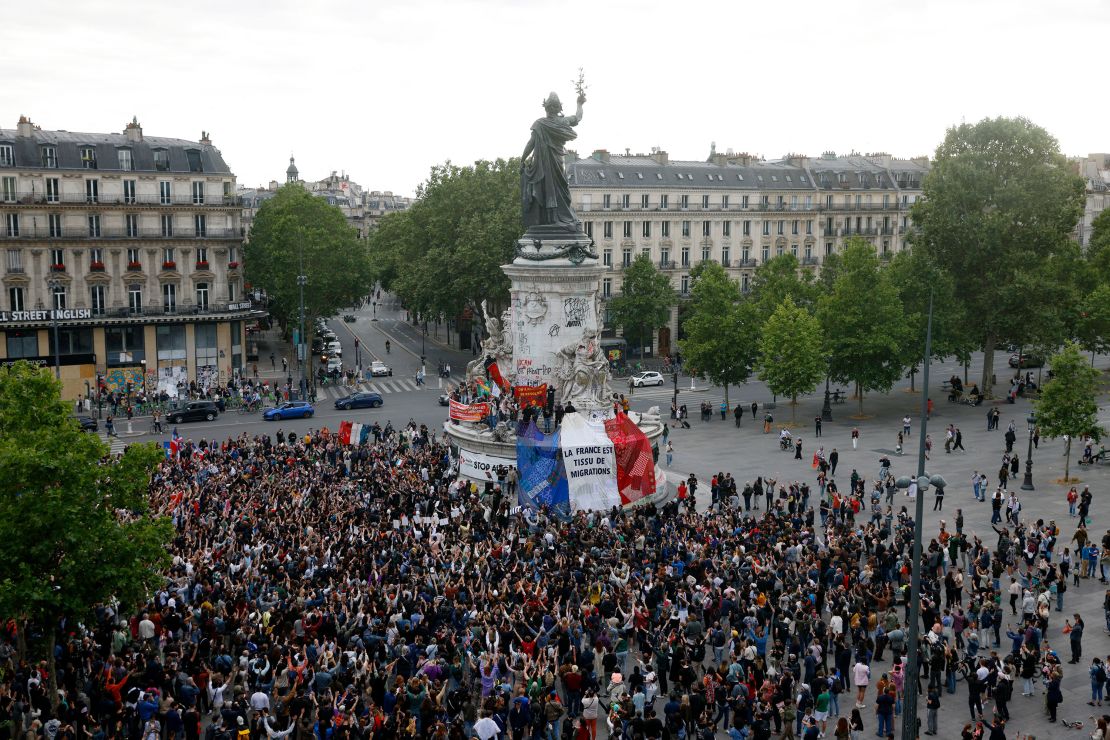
(204, 139)
(797, 160)
(25, 127)
(133, 131)
(660, 156)
(601, 155)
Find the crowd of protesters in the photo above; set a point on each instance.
(323, 590)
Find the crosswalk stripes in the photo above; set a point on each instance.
(116, 444)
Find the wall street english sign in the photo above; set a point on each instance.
(64, 314)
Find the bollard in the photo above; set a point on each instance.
(691, 382)
(439, 383)
(129, 426)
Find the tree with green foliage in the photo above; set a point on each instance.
(779, 278)
(999, 206)
(914, 274)
(1067, 405)
(791, 352)
(75, 530)
(444, 254)
(722, 330)
(1098, 249)
(1092, 328)
(298, 233)
(863, 323)
(644, 303)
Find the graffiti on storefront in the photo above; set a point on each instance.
(117, 378)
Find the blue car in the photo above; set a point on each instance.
(290, 410)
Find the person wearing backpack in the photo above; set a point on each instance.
(1098, 682)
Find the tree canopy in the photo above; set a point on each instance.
(644, 303)
(779, 278)
(1067, 404)
(75, 531)
(792, 359)
(445, 253)
(863, 322)
(999, 204)
(722, 330)
(294, 233)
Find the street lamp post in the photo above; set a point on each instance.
(1027, 484)
(54, 285)
(913, 670)
(302, 279)
(143, 363)
(674, 401)
(375, 304)
(826, 410)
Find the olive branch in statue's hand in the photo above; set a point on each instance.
(580, 86)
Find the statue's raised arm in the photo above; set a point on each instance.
(544, 190)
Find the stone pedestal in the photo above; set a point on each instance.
(554, 326)
(554, 303)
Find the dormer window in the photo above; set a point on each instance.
(49, 157)
(88, 157)
(194, 160)
(161, 160)
(7, 155)
(125, 160)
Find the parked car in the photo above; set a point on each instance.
(365, 400)
(379, 369)
(1021, 361)
(88, 424)
(333, 349)
(444, 399)
(335, 365)
(290, 410)
(317, 346)
(649, 377)
(193, 411)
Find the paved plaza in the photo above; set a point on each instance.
(712, 446)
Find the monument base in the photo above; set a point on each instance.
(479, 451)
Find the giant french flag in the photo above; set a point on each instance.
(589, 463)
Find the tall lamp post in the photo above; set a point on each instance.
(1027, 484)
(913, 670)
(54, 284)
(302, 359)
(674, 401)
(826, 410)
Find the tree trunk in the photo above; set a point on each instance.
(52, 677)
(859, 395)
(966, 363)
(988, 367)
(727, 404)
(913, 377)
(1067, 458)
(793, 407)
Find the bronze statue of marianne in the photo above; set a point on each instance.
(545, 193)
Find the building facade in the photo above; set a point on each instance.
(738, 211)
(1095, 171)
(128, 248)
(362, 209)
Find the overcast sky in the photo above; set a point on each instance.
(384, 91)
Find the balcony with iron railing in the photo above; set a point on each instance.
(810, 260)
(749, 262)
(183, 310)
(31, 232)
(39, 198)
(666, 264)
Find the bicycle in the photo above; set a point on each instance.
(250, 407)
